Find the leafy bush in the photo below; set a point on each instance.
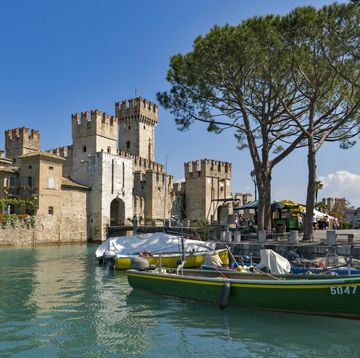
(202, 229)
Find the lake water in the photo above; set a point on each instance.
(56, 302)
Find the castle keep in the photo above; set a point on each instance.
(109, 176)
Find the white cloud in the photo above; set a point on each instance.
(341, 184)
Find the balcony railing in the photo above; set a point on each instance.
(21, 190)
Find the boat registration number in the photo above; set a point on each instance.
(339, 290)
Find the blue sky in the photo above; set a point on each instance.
(63, 57)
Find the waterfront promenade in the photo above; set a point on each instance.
(347, 244)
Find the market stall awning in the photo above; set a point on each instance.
(254, 204)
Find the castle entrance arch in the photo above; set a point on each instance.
(117, 212)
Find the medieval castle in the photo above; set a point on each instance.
(109, 175)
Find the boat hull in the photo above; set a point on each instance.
(172, 260)
(330, 297)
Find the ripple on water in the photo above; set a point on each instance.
(55, 301)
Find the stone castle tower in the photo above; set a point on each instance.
(21, 141)
(137, 121)
(92, 132)
(209, 182)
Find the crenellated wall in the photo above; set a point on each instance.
(65, 152)
(209, 181)
(208, 168)
(144, 111)
(19, 141)
(92, 132)
(94, 123)
(137, 120)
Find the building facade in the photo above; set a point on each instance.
(109, 173)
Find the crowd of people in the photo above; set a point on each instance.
(319, 223)
(324, 223)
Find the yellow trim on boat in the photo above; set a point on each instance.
(171, 260)
(247, 285)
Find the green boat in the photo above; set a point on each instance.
(329, 296)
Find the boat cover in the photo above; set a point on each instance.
(274, 262)
(156, 243)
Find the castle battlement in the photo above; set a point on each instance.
(159, 177)
(208, 168)
(135, 105)
(19, 141)
(141, 163)
(139, 109)
(63, 152)
(124, 154)
(23, 133)
(94, 122)
(146, 164)
(93, 117)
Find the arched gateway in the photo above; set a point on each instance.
(117, 212)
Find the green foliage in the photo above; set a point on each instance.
(279, 82)
(28, 203)
(202, 229)
(345, 225)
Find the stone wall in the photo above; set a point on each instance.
(68, 224)
(47, 230)
(110, 178)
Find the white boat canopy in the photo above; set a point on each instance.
(156, 243)
(274, 262)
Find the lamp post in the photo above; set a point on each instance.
(253, 178)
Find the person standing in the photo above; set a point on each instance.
(314, 222)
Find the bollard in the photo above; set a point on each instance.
(331, 237)
(222, 235)
(237, 236)
(262, 236)
(294, 234)
(228, 236)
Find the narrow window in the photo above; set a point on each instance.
(51, 183)
(29, 181)
(84, 148)
(127, 145)
(129, 127)
(30, 166)
(51, 210)
(109, 149)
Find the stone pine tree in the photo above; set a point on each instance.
(235, 78)
(323, 54)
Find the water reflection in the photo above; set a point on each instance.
(249, 333)
(55, 301)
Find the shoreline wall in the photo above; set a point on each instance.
(46, 230)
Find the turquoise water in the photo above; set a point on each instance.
(56, 302)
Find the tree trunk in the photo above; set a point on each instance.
(308, 224)
(267, 193)
(261, 204)
(264, 202)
